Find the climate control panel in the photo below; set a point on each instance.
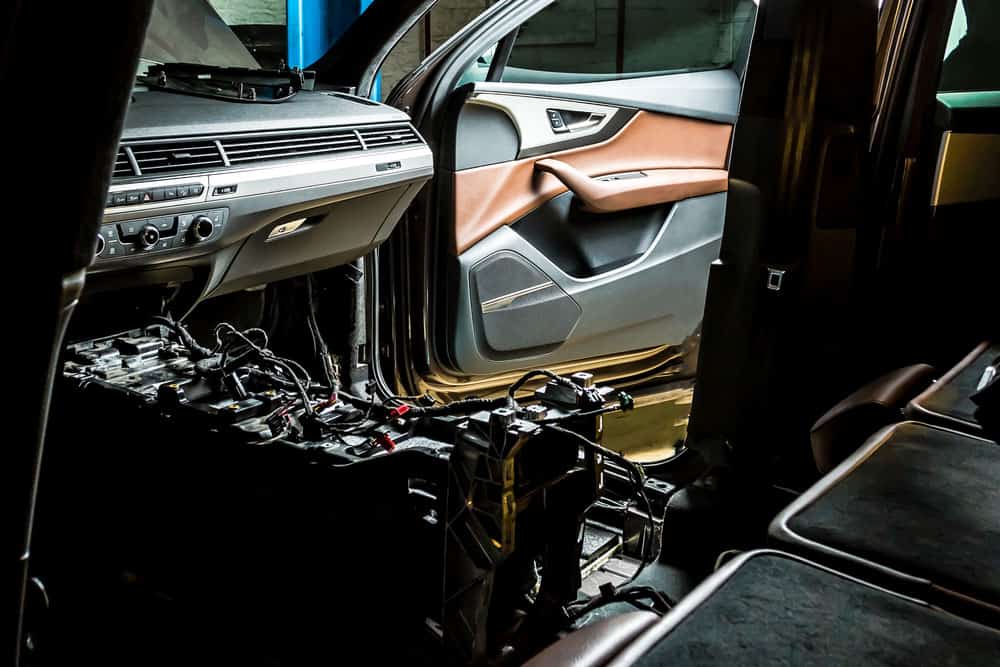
(160, 234)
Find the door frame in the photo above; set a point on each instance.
(407, 318)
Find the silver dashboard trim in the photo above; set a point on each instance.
(530, 116)
(267, 179)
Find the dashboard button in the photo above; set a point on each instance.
(170, 193)
(157, 194)
(196, 189)
(130, 229)
(182, 191)
(133, 197)
(112, 249)
(118, 199)
(109, 232)
(164, 224)
(147, 196)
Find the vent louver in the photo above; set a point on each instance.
(168, 157)
(160, 158)
(384, 137)
(241, 150)
(123, 167)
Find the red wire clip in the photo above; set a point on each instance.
(385, 442)
(398, 411)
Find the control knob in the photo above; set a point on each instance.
(201, 228)
(100, 245)
(148, 237)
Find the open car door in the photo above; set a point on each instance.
(581, 191)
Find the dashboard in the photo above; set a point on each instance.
(245, 194)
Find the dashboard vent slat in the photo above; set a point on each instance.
(393, 136)
(167, 157)
(123, 168)
(161, 157)
(249, 149)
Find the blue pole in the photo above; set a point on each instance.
(314, 25)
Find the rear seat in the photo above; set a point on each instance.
(917, 509)
(910, 391)
(766, 608)
(879, 403)
(947, 402)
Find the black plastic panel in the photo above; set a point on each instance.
(586, 244)
(519, 307)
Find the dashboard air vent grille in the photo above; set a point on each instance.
(241, 150)
(382, 137)
(123, 167)
(163, 157)
(167, 157)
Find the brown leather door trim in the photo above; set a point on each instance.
(487, 198)
(645, 188)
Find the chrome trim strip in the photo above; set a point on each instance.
(309, 173)
(504, 300)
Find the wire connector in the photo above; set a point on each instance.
(385, 441)
(399, 411)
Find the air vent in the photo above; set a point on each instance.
(383, 137)
(168, 157)
(241, 150)
(123, 167)
(160, 158)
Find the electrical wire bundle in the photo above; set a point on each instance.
(625, 592)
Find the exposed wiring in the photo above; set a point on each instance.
(513, 389)
(661, 602)
(183, 336)
(638, 478)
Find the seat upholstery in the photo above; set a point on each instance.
(851, 421)
(947, 402)
(770, 608)
(595, 645)
(917, 507)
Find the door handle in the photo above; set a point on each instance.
(566, 121)
(608, 194)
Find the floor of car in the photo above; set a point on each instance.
(669, 579)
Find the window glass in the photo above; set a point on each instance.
(973, 44)
(626, 37)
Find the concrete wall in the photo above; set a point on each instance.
(251, 11)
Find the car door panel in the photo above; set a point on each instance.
(494, 195)
(509, 319)
(709, 95)
(548, 275)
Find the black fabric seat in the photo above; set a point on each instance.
(770, 608)
(947, 402)
(917, 508)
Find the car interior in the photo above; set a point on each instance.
(542, 332)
